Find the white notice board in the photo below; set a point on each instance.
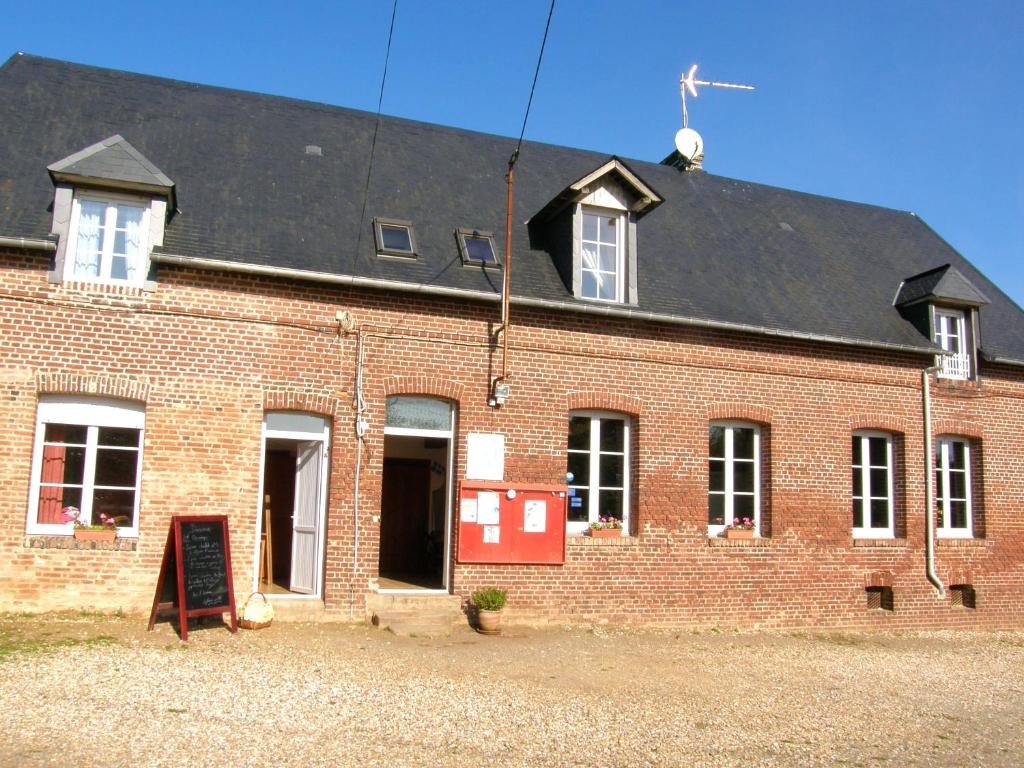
(485, 456)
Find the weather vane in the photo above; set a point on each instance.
(688, 142)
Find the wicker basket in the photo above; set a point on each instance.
(256, 615)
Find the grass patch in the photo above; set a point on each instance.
(10, 645)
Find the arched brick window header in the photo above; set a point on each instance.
(740, 412)
(880, 422)
(424, 385)
(604, 401)
(122, 387)
(300, 401)
(957, 427)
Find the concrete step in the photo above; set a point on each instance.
(415, 615)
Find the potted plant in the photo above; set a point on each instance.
(106, 530)
(606, 528)
(741, 528)
(489, 602)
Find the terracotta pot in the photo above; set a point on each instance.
(739, 533)
(489, 622)
(605, 533)
(89, 534)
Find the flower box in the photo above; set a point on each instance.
(605, 533)
(739, 533)
(92, 534)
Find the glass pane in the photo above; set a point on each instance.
(588, 285)
(117, 436)
(743, 443)
(716, 442)
(579, 506)
(579, 433)
(716, 509)
(743, 506)
(479, 249)
(957, 485)
(716, 475)
(956, 455)
(857, 479)
(65, 433)
(609, 504)
(958, 514)
(63, 464)
(116, 467)
(606, 287)
(589, 254)
(590, 227)
(879, 513)
(858, 514)
(53, 499)
(608, 225)
(116, 504)
(128, 214)
(880, 483)
(611, 471)
(579, 465)
(297, 422)
(613, 435)
(877, 451)
(857, 445)
(118, 268)
(609, 258)
(419, 413)
(743, 476)
(394, 238)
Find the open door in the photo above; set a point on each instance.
(305, 517)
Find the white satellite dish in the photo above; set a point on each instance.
(689, 143)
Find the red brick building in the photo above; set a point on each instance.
(207, 310)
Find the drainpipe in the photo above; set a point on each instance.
(360, 429)
(929, 509)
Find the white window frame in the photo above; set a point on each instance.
(620, 251)
(943, 448)
(593, 482)
(93, 413)
(111, 201)
(868, 531)
(729, 491)
(950, 325)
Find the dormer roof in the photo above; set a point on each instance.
(945, 284)
(114, 164)
(643, 197)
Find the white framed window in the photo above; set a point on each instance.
(951, 335)
(598, 461)
(872, 485)
(87, 456)
(734, 475)
(107, 239)
(953, 488)
(602, 254)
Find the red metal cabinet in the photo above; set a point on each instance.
(527, 528)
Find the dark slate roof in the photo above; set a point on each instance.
(112, 159)
(944, 283)
(716, 250)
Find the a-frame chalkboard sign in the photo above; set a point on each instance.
(195, 576)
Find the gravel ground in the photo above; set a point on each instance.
(98, 691)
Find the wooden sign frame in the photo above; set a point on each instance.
(174, 560)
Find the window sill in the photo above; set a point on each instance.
(756, 542)
(891, 543)
(45, 541)
(582, 540)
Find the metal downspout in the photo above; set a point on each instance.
(929, 470)
(360, 430)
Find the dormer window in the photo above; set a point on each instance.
(951, 335)
(107, 240)
(602, 253)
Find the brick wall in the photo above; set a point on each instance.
(208, 353)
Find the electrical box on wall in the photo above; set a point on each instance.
(511, 523)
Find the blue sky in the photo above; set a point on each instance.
(908, 104)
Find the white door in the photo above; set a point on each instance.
(306, 516)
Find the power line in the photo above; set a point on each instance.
(533, 87)
(373, 141)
